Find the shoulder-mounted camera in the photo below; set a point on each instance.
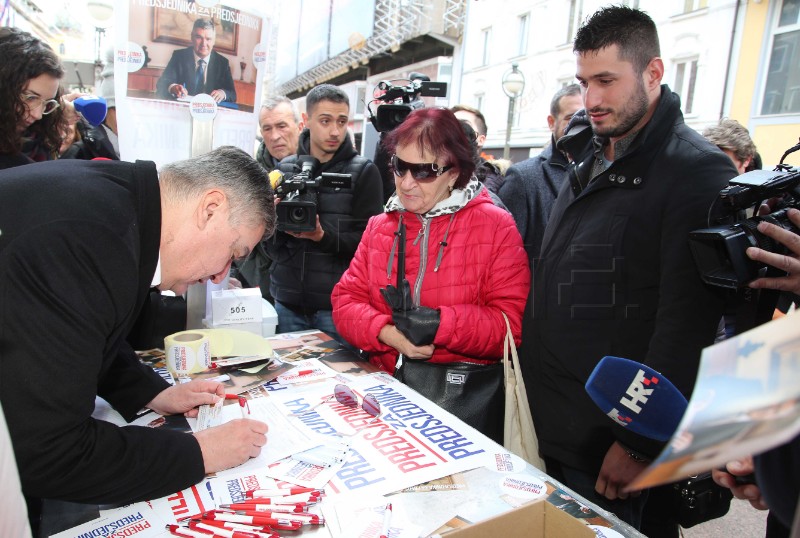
(297, 189)
(400, 100)
(720, 251)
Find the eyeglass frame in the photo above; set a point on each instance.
(28, 98)
(432, 171)
(375, 405)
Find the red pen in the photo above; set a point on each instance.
(280, 524)
(387, 521)
(303, 517)
(288, 499)
(272, 511)
(276, 492)
(183, 531)
(252, 511)
(242, 403)
(262, 532)
(220, 531)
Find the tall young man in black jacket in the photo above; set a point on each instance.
(306, 265)
(616, 275)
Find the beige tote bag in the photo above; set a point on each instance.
(519, 436)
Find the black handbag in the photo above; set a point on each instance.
(475, 393)
(699, 499)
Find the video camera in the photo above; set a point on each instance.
(401, 101)
(719, 251)
(297, 210)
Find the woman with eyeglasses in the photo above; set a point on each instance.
(464, 258)
(32, 120)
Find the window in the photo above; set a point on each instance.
(522, 39)
(631, 3)
(782, 88)
(360, 99)
(479, 101)
(575, 15)
(486, 39)
(694, 5)
(685, 78)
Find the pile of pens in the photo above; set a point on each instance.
(263, 512)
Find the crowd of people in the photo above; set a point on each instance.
(583, 248)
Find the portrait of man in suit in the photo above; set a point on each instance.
(198, 69)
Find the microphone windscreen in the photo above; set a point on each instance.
(92, 108)
(636, 397)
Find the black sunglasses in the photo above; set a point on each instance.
(423, 172)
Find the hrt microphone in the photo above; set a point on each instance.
(92, 108)
(637, 397)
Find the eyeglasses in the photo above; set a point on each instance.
(422, 172)
(347, 397)
(33, 102)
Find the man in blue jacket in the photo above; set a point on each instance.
(531, 186)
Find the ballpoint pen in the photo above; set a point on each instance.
(277, 492)
(261, 532)
(177, 530)
(387, 521)
(242, 403)
(203, 526)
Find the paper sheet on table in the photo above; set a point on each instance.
(232, 489)
(138, 520)
(306, 371)
(746, 401)
(284, 437)
(413, 441)
(362, 517)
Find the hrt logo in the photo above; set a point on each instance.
(638, 392)
(619, 418)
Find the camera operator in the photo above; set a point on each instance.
(777, 471)
(307, 264)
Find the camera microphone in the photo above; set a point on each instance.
(275, 178)
(637, 397)
(92, 108)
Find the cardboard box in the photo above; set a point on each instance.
(538, 519)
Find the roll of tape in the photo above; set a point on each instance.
(188, 352)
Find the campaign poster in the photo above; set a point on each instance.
(182, 63)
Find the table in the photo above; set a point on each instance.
(469, 496)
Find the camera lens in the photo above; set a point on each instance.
(298, 214)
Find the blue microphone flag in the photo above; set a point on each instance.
(636, 397)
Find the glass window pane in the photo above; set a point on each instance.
(679, 70)
(782, 91)
(790, 13)
(690, 88)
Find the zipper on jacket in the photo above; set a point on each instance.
(423, 259)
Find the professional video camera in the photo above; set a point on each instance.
(297, 210)
(720, 251)
(401, 100)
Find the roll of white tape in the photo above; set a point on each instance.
(187, 352)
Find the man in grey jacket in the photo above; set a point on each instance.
(531, 186)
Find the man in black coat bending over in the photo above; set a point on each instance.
(81, 244)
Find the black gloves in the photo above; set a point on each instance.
(419, 324)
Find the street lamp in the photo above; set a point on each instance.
(513, 86)
(100, 11)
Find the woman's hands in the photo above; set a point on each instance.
(390, 336)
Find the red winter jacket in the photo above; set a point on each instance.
(478, 271)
